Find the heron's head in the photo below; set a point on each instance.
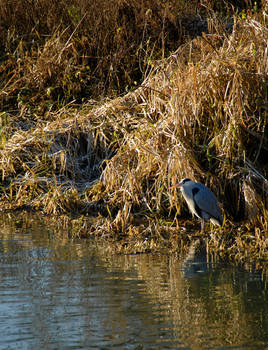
(182, 183)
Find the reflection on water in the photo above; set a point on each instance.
(62, 294)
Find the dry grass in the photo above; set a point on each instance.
(53, 52)
(200, 113)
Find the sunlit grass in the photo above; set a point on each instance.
(201, 113)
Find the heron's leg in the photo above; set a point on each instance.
(202, 225)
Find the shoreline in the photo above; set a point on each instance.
(199, 111)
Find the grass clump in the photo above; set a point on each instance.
(55, 52)
(201, 113)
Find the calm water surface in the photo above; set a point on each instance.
(61, 294)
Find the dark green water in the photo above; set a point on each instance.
(63, 294)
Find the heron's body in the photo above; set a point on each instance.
(201, 201)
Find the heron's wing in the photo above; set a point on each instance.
(206, 201)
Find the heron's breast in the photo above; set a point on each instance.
(191, 204)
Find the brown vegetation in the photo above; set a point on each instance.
(200, 113)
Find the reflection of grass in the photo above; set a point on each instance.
(206, 304)
(200, 113)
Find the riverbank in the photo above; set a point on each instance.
(200, 112)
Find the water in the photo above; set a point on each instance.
(56, 293)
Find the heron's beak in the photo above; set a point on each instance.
(176, 185)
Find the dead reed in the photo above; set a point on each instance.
(200, 113)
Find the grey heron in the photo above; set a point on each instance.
(201, 201)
